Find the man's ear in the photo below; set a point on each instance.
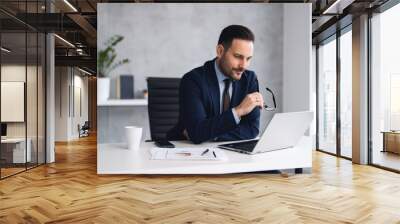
(220, 50)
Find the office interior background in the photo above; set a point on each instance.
(49, 84)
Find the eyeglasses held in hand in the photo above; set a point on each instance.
(268, 108)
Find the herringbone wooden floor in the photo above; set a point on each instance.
(70, 191)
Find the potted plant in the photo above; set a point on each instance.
(105, 65)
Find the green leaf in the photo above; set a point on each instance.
(106, 57)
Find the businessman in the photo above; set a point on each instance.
(220, 100)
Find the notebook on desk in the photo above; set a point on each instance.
(205, 154)
(284, 131)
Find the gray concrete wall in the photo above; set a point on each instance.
(112, 120)
(168, 40)
(298, 85)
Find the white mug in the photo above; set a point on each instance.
(133, 136)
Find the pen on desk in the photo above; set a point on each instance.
(184, 153)
(204, 152)
(214, 154)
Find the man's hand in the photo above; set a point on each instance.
(251, 101)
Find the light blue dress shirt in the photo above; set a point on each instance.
(221, 77)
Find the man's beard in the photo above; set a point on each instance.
(231, 73)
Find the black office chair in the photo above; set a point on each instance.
(163, 105)
(84, 129)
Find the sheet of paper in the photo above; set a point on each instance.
(187, 154)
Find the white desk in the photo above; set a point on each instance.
(19, 155)
(116, 159)
(123, 102)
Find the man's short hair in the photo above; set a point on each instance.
(234, 32)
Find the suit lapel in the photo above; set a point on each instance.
(239, 90)
(212, 82)
(235, 86)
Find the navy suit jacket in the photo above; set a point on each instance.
(199, 107)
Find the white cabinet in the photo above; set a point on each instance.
(18, 149)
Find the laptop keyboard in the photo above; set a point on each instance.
(244, 146)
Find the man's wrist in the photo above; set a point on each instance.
(237, 118)
(238, 112)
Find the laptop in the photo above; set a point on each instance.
(284, 131)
